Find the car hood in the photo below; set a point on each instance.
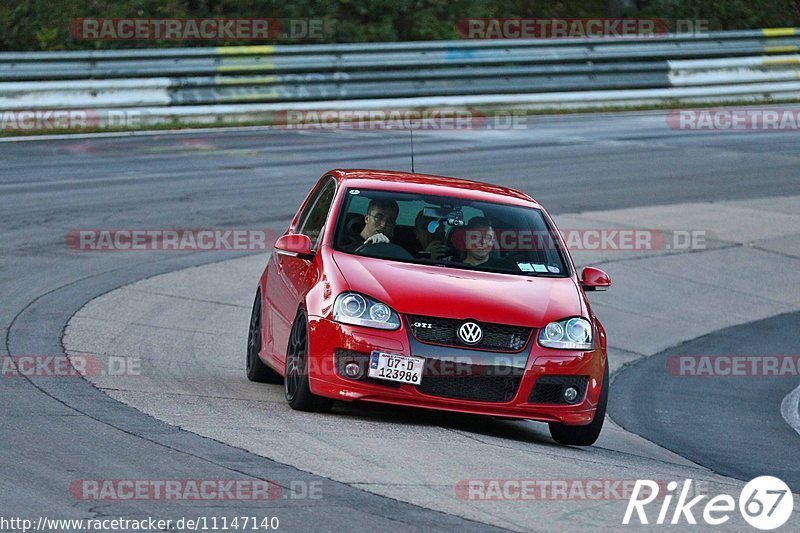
(461, 294)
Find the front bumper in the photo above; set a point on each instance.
(534, 361)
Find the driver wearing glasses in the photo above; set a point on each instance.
(379, 225)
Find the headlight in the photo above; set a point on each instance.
(353, 308)
(567, 334)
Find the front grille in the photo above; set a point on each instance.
(471, 382)
(496, 337)
(550, 389)
(447, 379)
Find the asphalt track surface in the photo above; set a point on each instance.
(674, 410)
(56, 431)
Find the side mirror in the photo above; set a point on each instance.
(294, 245)
(594, 279)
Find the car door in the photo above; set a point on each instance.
(287, 281)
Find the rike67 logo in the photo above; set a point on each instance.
(765, 503)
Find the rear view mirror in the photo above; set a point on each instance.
(435, 212)
(452, 215)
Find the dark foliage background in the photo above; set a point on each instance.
(43, 24)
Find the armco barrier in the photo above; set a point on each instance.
(250, 82)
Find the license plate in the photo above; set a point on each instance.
(393, 367)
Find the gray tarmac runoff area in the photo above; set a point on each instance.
(191, 414)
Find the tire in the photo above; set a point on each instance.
(583, 435)
(298, 392)
(256, 369)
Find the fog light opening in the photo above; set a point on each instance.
(571, 395)
(352, 370)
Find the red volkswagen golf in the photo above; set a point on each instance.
(432, 292)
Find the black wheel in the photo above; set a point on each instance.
(584, 435)
(256, 369)
(298, 392)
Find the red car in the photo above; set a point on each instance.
(432, 292)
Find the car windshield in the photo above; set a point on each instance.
(449, 232)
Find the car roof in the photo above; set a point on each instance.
(391, 180)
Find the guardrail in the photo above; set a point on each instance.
(238, 83)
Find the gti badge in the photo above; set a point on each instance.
(470, 333)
